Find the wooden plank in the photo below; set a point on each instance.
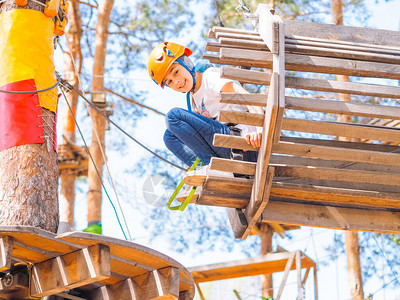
(215, 47)
(229, 165)
(251, 58)
(216, 29)
(71, 270)
(245, 44)
(261, 176)
(254, 209)
(241, 118)
(342, 53)
(310, 63)
(286, 273)
(344, 108)
(247, 76)
(343, 144)
(317, 64)
(237, 220)
(338, 175)
(350, 34)
(230, 141)
(341, 45)
(334, 153)
(265, 264)
(332, 217)
(335, 86)
(244, 99)
(244, 37)
(340, 129)
(325, 195)
(6, 247)
(158, 284)
(268, 27)
(279, 67)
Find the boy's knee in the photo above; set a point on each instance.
(173, 115)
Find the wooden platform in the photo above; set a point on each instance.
(72, 159)
(86, 265)
(266, 264)
(304, 175)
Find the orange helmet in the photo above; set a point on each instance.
(162, 57)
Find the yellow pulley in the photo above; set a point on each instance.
(51, 10)
(21, 2)
(62, 21)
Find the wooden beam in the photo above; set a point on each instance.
(6, 247)
(334, 153)
(230, 141)
(242, 118)
(238, 221)
(261, 177)
(254, 209)
(245, 44)
(338, 175)
(244, 99)
(258, 77)
(71, 270)
(268, 27)
(321, 50)
(335, 86)
(158, 284)
(265, 264)
(343, 34)
(247, 76)
(244, 37)
(326, 195)
(286, 273)
(331, 217)
(229, 165)
(216, 29)
(309, 63)
(344, 108)
(340, 129)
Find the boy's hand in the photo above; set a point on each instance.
(254, 139)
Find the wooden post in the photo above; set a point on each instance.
(352, 246)
(97, 147)
(28, 171)
(353, 265)
(73, 55)
(266, 233)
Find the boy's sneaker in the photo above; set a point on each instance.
(93, 228)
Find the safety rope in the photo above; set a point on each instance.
(93, 162)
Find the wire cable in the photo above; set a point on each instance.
(91, 158)
(30, 92)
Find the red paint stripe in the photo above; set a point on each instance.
(20, 116)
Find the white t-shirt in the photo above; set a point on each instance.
(208, 96)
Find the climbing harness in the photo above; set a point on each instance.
(185, 203)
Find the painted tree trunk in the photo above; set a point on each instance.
(72, 56)
(352, 243)
(99, 123)
(29, 173)
(266, 233)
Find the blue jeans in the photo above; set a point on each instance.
(190, 135)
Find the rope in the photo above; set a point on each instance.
(91, 158)
(387, 261)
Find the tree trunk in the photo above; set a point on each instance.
(352, 245)
(74, 34)
(29, 173)
(353, 265)
(266, 233)
(99, 123)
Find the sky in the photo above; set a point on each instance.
(332, 278)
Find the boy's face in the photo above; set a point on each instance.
(178, 78)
